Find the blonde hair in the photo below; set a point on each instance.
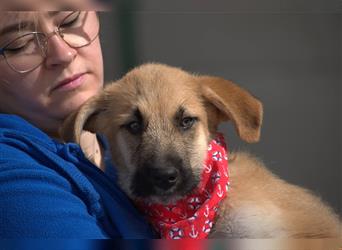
(20, 17)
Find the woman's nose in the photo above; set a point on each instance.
(59, 53)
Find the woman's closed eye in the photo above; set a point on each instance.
(71, 20)
(20, 45)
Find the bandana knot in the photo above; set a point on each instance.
(193, 216)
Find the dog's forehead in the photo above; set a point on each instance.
(161, 83)
(156, 75)
(157, 89)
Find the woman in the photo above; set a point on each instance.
(50, 64)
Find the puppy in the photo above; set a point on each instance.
(161, 122)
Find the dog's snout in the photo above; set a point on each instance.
(164, 178)
(161, 176)
(168, 175)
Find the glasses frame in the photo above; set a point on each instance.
(44, 48)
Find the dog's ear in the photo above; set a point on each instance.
(83, 119)
(235, 104)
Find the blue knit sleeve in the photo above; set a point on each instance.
(37, 202)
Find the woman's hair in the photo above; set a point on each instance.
(20, 17)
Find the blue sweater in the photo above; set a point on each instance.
(50, 190)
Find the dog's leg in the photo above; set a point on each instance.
(250, 221)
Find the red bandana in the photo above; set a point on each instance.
(193, 216)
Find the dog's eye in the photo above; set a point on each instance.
(188, 122)
(134, 127)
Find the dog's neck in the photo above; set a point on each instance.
(193, 216)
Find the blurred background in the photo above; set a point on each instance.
(285, 52)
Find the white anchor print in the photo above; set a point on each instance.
(207, 194)
(206, 212)
(169, 220)
(193, 234)
(158, 213)
(181, 214)
(220, 192)
(208, 168)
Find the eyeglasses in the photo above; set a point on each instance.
(27, 52)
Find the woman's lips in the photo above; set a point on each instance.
(70, 83)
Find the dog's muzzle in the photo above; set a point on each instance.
(163, 179)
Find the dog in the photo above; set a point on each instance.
(159, 121)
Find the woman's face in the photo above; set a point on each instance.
(66, 78)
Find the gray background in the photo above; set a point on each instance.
(287, 53)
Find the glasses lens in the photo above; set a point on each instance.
(79, 28)
(26, 52)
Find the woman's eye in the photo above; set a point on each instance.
(19, 46)
(15, 50)
(70, 20)
(188, 122)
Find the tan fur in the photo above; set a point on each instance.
(259, 204)
(279, 208)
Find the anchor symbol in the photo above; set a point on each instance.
(193, 234)
(158, 213)
(208, 168)
(220, 192)
(206, 212)
(207, 194)
(183, 216)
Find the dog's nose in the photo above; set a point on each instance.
(165, 178)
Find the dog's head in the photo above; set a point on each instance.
(158, 121)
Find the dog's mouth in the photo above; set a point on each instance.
(165, 186)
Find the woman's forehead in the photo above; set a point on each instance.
(12, 16)
(20, 19)
(8, 18)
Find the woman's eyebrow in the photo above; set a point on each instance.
(53, 13)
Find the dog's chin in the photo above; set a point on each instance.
(152, 194)
(170, 196)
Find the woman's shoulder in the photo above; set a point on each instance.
(22, 144)
(24, 149)
(39, 200)
(40, 182)
(15, 130)
(42, 179)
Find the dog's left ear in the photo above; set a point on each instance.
(235, 104)
(85, 119)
